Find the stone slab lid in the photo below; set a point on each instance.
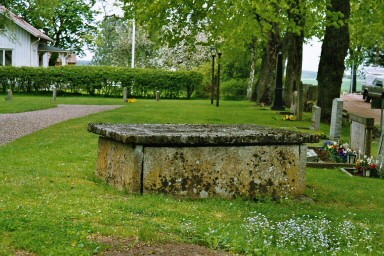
(199, 134)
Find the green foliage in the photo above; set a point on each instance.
(101, 80)
(67, 22)
(234, 89)
(114, 44)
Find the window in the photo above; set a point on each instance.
(5, 57)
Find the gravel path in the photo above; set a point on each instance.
(14, 126)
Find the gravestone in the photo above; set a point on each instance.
(9, 96)
(336, 119)
(361, 134)
(380, 154)
(300, 102)
(54, 94)
(157, 95)
(294, 103)
(316, 115)
(125, 93)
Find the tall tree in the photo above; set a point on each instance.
(333, 53)
(68, 22)
(114, 43)
(294, 45)
(264, 91)
(256, 23)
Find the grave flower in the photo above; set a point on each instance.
(289, 118)
(367, 167)
(337, 151)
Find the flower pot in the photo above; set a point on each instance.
(367, 173)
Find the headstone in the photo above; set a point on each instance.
(312, 156)
(336, 119)
(294, 103)
(157, 95)
(54, 94)
(300, 102)
(10, 96)
(316, 115)
(125, 93)
(361, 135)
(380, 154)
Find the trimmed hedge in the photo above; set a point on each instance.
(103, 80)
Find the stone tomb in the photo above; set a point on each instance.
(199, 161)
(316, 118)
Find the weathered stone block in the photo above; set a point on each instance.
(228, 172)
(203, 160)
(120, 164)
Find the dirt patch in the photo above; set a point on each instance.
(134, 247)
(23, 253)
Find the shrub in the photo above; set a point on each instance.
(101, 80)
(234, 89)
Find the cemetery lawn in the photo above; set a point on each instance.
(51, 201)
(26, 102)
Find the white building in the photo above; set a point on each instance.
(21, 44)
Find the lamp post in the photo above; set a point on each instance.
(218, 80)
(213, 54)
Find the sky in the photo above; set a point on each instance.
(311, 55)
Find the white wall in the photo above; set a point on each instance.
(19, 41)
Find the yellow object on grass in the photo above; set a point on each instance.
(131, 100)
(289, 117)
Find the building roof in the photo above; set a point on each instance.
(25, 25)
(47, 48)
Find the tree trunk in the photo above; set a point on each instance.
(253, 48)
(294, 52)
(294, 66)
(331, 66)
(266, 83)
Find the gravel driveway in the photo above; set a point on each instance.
(14, 126)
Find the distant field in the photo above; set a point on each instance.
(344, 88)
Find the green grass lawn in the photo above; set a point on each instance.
(52, 203)
(24, 102)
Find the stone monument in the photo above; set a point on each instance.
(316, 116)
(9, 96)
(54, 93)
(199, 161)
(361, 134)
(125, 94)
(336, 119)
(294, 104)
(157, 95)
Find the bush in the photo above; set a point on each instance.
(234, 89)
(101, 80)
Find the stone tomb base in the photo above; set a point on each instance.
(196, 166)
